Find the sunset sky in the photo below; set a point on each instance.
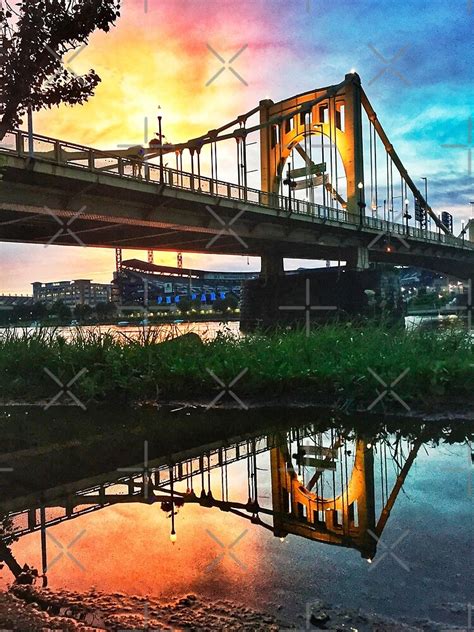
(158, 55)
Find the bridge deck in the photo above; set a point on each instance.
(117, 201)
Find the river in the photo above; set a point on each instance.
(274, 510)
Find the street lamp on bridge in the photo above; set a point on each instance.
(361, 202)
(291, 185)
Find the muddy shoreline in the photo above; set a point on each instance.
(28, 608)
(445, 409)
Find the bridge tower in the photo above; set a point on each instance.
(303, 512)
(335, 113)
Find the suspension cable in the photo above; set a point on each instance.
(335, 154)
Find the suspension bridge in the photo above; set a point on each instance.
(324, 487)
(331, 186)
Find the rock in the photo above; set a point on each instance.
(319, 619)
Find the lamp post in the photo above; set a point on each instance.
(426, 189)
(173, 536)
(160, 134)
(463, 232)
(291, 185)
(361, 203)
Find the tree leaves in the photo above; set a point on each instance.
(33, 73)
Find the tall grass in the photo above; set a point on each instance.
(332, 362)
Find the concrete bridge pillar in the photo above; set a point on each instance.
(358, 259)
(271, 267)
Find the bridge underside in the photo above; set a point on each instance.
(44, 203)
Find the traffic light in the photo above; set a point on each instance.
(447, 220)
(420, 213)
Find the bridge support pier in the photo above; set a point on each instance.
(271, 267)
(326, 294)
(358, 259)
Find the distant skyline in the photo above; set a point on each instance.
(414, 59)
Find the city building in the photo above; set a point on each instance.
(72, 293)
(142, 283)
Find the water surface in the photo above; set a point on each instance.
(273, 518)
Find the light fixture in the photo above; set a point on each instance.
(360, 185)
(173, 537)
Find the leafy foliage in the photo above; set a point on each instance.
(38, 34)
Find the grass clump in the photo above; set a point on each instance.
(334, 361)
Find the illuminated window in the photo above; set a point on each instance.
(275, 135)
(340, 116)
(323, 114)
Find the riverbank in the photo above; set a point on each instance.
(342, 366)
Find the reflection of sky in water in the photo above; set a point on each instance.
(126, 548)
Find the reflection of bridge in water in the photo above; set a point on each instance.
(324, 487)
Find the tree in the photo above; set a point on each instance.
(38, 33)
(83, 312)
(60, 310)
(105, 310)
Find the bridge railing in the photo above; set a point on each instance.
(402, 230)
(87, 158)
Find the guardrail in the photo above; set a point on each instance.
(73, 155)
(28, 520)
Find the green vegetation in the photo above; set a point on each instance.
(334, 363)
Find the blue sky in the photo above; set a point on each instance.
(423, 97)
